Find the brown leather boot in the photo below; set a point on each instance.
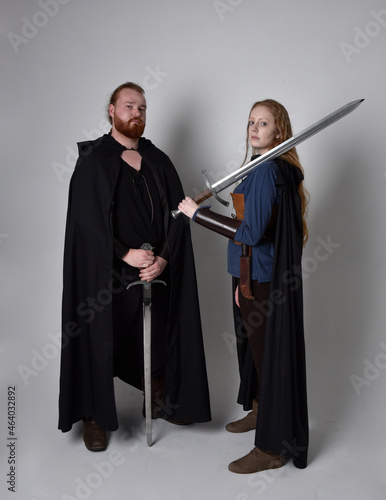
(94, 437)
(248, 423)
(256, 461)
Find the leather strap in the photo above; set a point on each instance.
(238, 204)
(245, 272)
(227, 226)
(246, 251)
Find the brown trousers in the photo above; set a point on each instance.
(254, 316)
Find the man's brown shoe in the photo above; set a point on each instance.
(248, 423)
(94, 437)
(256, 461)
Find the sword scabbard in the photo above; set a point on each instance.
(245, 272)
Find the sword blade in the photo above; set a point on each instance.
(286, 145)
(146, 309)
(275, 152)
(147, 360)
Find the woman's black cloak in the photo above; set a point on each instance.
(282, 423)
(89, 282)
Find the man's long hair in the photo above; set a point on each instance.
(283, 124)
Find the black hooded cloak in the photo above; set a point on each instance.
(282, 422)
(89, 282)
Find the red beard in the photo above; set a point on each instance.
(129, 129)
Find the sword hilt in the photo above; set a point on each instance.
(199, 198)
(145, 284)
(204, 195)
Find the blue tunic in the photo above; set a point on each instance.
(260, 194)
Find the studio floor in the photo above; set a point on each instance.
(346, 458)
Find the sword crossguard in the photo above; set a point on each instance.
(145, 284)
(214, 194)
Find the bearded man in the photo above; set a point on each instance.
(121, 193)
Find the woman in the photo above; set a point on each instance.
(264, 258)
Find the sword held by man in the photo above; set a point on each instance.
(146, 307)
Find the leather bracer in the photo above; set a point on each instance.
(226, 226)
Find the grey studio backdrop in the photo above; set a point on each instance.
(202, 64)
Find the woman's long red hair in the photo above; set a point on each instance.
(283, 124)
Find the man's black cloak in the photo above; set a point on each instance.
(89, 282)
(282, 422)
